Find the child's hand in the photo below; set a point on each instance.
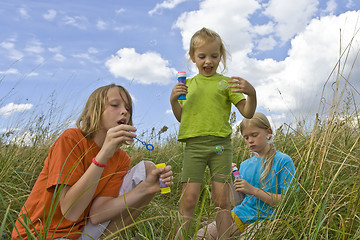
(166, 175)
(243, 186)
(152, 179)
(239, 84)
(115, 138)
(178, 89)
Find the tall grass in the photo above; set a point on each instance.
(326, 204)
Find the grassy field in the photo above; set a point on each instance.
(325, 150)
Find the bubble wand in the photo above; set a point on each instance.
(148, 146)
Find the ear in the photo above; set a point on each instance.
(269, 131)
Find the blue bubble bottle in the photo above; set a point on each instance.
(182, 79)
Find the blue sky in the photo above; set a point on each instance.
(55, 53)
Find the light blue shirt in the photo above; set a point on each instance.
(277, 181)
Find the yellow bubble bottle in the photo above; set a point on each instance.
(163, 188)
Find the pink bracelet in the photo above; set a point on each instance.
(98, 164)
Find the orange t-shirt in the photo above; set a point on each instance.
(68, 159)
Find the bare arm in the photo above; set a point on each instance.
(243, 186)
(247, 106)
(179, 88)
(76, 198)
(106, 208)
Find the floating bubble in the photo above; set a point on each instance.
(222, 85)
(219, 149)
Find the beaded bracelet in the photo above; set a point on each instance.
(98, 164)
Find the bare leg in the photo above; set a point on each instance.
(221, 199)
(188, 200)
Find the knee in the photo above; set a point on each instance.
(189, 201)
(222, 202)
(149, 166)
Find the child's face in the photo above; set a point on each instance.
(116, 110)
(207, 58)
(256, 139)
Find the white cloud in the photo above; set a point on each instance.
(32, 74)
(264, 29)
(291, 87)
(58, 56)
(350, 4)
(331, 6)
(101, 25)
(23, 13)
(167, 4)
(119, 11)
(229, 19)
(147, 68)
(13, 53)
(169, 111)
(123, 28)
(11, 108)
(34, 47)
(291, 17)
(92, 50)
(77, 21)
(86, 56)
(266, 44)
(10, 71)
(295, 85)
(7, 45)
(50, 15)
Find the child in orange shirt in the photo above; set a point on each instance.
(86, 175)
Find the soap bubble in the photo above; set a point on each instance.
(219, 149)
(222, 85)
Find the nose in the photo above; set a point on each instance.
(207, 60)
(123, 110)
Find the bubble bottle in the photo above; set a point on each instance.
(163, 188)
(182, 79)
(236, 173)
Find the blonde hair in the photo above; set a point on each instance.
(90, 119)
(259, 120)
(204, 36)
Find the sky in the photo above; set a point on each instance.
(55, 53)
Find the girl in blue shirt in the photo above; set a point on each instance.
(265, 178)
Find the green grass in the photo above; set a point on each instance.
(326, 205)
(326, 156)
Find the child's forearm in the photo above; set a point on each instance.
(247, 106)
(250, 106)
(176, 108)
(270, 198)
(75, 199)
(106, 208)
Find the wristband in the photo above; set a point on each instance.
(98, 164)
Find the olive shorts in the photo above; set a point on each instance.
(212, 151)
